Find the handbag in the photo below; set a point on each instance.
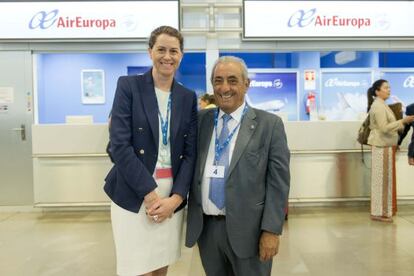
(396, 108)
(364, 131)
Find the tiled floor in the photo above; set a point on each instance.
(316, 241)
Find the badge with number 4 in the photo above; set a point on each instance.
(215, 171)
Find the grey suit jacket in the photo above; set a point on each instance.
(258, 181)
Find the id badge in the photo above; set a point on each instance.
(161, 173)
(215, 171)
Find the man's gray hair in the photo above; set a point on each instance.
(225, 59)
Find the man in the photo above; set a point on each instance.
(241, 181)
(409, 111)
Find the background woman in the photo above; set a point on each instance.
(207, 101)
(383, 139)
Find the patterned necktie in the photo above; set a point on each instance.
(217, 185)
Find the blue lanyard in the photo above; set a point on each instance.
(219, 149)
(164, 124)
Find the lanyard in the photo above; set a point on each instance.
(219, 149)
(164, 124)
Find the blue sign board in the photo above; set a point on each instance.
(402, 86)
(275, 92)
(344, 95)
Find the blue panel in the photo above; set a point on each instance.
(347, 60)
(193, 64)
(402, 86)
(344, 95)
(396, 60)
(254, 60)
(264, 60)
(59, 78)
(137, 70)
(191, 73)
(274, 92)
(59, 81)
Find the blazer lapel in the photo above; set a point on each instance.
(150, 104)
(177, 100)
(205, 131)
(247, 128)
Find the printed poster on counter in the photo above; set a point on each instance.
(344, 95)
(93, 86)
(402, 86)
(275, 92)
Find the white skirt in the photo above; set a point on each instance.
(141, 245)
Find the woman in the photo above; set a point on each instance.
(383, 139)
(207, 101)
(153, 144)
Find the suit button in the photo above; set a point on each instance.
(185, 135)
(181, 157)
(141, 151)
(140, 129)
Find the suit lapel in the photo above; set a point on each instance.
(247, 128)
(150, 104)
(205, 131)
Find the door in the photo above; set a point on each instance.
(16, 117)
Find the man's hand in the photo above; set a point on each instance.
(411, 161)
(165, 207)
(268, 246)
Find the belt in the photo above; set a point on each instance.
(215, 217)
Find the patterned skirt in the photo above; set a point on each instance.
(383, 182)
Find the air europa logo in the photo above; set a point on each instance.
(409, 82)
(277, 83)
(302, 18)
(335, 82)
(45, 20)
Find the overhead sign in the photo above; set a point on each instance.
(84, 20)
(327, 19)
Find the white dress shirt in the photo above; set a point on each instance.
(208, 206)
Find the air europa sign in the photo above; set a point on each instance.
(56, 20)
(45, 20)
(322, 20)
(303, 18)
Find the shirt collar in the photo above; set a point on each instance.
(236, 115)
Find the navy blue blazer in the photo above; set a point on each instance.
(134, 136)
(409, 111)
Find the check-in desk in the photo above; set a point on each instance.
(326, 163)
(70, 164)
